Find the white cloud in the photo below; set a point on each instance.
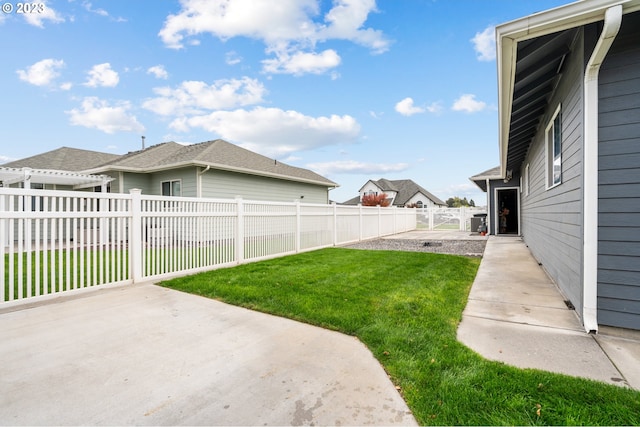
(406, 107)
(194, 97)
(44, 13)
(484, 44)
(158, 71)
(42, 73)
(468, 104)
(232, 58)
(66, 86)
(346, 20)
(272, 131)
(231, 18)
(434, 107)
(102, 75)
(89, 7)
(289, 30)
(98, 114)
(101, 12)
(302, 62)
(355, 167)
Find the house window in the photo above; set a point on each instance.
(98, 188)
(171, 188)
(553, 136)
(37, 203)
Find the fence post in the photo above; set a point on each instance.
(335, 223)
(239, 230)
(395, 222)
(135, 239)
(430, 213)
(379, 221)
(4, 240)
(298, 226)
(360, 223)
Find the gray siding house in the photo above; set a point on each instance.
(569, 123)
(402, 192)
(212, 169)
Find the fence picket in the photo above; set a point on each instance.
(59, 241)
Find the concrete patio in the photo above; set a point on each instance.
(146, 355)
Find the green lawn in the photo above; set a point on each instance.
(406, 306)
(44, 272)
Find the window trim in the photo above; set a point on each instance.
(527, 180)
(171, 181)
(552, 135)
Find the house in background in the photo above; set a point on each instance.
(213, 169)
(569, 138)
(59, 169)
(402, 192)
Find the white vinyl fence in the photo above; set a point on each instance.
(443, 219)
(58, 241)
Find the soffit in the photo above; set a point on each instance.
(539, 64)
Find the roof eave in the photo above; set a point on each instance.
(161, 168)
(508, 36)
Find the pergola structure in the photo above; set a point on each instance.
(30, 176)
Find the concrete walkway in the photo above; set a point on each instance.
(145, 355)
(515, 314)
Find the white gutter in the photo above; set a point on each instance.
(508, 36)
(612, 22)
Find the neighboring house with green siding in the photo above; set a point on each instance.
(212, 169)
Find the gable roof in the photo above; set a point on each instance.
(530, 54)
(405, 189)
(217, 154)
(481, 179)
(63, 159)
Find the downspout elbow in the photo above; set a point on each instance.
(612, 24)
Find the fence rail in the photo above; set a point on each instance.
(59, 241)
(441, 219)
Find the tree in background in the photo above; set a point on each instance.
(457, 202)
(375, 200)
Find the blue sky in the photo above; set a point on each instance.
(352, 89)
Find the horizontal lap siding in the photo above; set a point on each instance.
(223, 184)
(140, 181)
(186, 176)
(619, 180)
(552, 218)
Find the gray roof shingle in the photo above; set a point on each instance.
(64, 158)
(218, 154)
(405, 188)
(481, 179)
